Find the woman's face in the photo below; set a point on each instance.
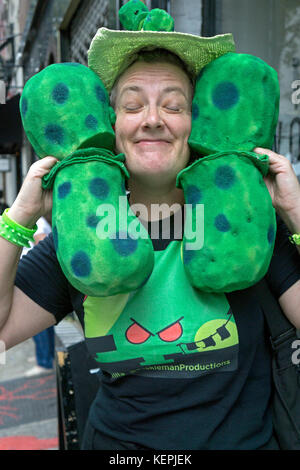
(153, 109)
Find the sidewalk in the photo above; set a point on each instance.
(28, 406)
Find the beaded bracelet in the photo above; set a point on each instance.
(295, 239)
(14, 232)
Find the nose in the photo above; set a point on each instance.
(152, 118)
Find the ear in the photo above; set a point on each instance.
(112, 116)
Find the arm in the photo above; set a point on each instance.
(284, 190)
(25, 319)
(20, 317)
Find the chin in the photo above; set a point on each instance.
(156, 170)
(148, 166)
(156, 177)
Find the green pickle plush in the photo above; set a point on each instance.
(135, 16)
(235, 109)
(132, 15)
(102, 248)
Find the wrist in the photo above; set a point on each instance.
(20, 216)
(291, 219)
(15, 233)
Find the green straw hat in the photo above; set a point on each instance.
(111, 52)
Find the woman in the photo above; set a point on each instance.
(154, 394)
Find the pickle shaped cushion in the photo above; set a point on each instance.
(109, 252)
(235, 105)
(235, 108)
(65, 110)
(135, 16)
(65, 107)
(236, 231)
(132, 15)
(158, 20)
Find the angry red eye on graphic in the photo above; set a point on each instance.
(136, 334)
(171, 332)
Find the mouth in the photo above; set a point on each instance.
(152, 141)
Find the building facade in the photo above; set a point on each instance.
(270, 29)
(10, 122)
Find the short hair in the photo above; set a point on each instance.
(157, 55)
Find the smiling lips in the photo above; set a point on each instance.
(152, 141)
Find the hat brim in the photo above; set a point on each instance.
(111, 51)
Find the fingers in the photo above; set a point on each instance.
(273, 156)
(42, 167)
(48, 162)
(277, 163)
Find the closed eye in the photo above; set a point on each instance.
(132, 108)
(175, 109)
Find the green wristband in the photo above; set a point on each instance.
(27, 232)
(295, 239)
(14, 232)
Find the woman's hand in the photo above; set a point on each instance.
(284, 188)
(32, 201)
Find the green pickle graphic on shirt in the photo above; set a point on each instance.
(166, 328)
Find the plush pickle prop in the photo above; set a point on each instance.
(102, 248)
(235, 109)
(135, 16)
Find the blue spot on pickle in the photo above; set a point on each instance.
(225, 95)
(64, 189)
(193, 195)
(221, 223)
(224, 177)
(100, 94)
(91, 122)
(99, 188)
(60, 93)
(81, 264)
(187, 255)
(124, 246)
(92, 221)
(24, 106)
(195, 111)
(54, 133)
(271, 234)
(55, 237)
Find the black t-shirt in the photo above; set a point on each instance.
(220, 401)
